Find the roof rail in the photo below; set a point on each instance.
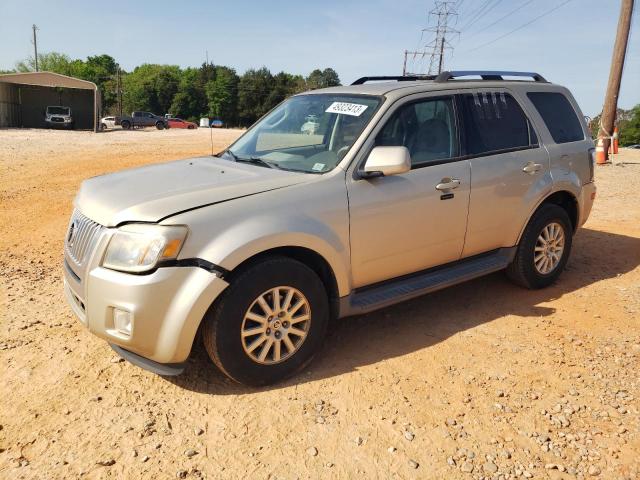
(487, 75)
(397, 78)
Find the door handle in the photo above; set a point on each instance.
(448, 184)
(531, 167)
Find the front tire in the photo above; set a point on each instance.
(126, 125)
(160, 125)
(268, 323)
(544, 248)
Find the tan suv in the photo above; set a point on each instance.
(403, 187)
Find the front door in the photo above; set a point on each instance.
(406, 223)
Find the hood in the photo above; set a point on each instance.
(151, 193)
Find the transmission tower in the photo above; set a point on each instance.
(444, 14)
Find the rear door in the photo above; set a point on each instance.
(509, 169)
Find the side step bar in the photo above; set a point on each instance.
(404, 288)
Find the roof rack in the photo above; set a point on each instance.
(397, 78)
(487, 75)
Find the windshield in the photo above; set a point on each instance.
(57, 110)
(308, 133)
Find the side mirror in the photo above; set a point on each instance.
(385, 161)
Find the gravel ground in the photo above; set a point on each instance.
(482, 380)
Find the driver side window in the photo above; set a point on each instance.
(427, 128)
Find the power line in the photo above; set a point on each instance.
(548, 12)
(503, 17)
(482, 14)
(475, 12)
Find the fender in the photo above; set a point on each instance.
(563, 181)
(316, 219)
(261, 235)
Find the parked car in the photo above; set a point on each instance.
(261, 245)
(58, 116)
(217, 123)
(143, 119)
(179, 123)
(636, 146)
(107, 122)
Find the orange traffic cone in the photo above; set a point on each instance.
(614, 141)
(601, 158)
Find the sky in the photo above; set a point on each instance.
(571, 46)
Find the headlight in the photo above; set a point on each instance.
(141, 247)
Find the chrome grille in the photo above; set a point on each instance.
(81, 236)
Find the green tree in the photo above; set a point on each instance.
(254, 90)
(151, 88)
(629, 130)
(285, 85)
(222, 95)
(47, 62)
(323, 79)
(190, 100)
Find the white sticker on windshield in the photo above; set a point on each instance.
(317, 167)
(353, 109)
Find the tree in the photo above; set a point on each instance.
(285, 85)
(151, 87)
(629, 130)
(254, 89)
(222, 95)
(190, 100)
(47, 62)
(323, 79)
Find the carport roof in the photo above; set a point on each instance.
(47, 79)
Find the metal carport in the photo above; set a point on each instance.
(25, 96)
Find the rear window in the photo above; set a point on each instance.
(495, 122)
(558, 115)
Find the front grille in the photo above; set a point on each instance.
(57, 119)
(81, 237)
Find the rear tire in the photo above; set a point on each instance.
(126, 124)
(229, 326)
(538, 261)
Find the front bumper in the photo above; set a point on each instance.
(167, 307)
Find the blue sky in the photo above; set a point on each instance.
(571, 46)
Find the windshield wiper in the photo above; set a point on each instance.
(257, 161)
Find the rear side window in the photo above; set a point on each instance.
(495, 122)
(558, 115)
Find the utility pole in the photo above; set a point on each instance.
(446, 14)
(610, 107)
(119, 89)
(35, 44)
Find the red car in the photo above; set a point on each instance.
(179, 123)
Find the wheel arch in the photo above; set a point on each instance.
(563, 198)
(308, 257)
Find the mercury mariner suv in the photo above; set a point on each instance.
(407, 185)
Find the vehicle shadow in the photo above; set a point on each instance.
(427, 320)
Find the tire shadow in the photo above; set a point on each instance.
(430, 319)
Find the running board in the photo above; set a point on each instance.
(410, 286)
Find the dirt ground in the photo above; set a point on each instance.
(482, 380)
